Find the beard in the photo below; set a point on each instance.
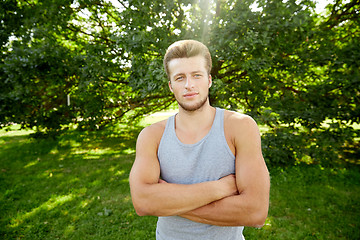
(191, 107)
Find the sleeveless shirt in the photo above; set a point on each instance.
(207, 160)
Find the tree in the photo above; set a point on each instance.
(292, 70)
(85, 51)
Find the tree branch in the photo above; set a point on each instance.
(338, 16)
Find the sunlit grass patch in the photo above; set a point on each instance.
(157, 117)
(50, 204)
(15, 130)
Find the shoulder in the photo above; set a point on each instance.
(238, 120)
(153, 132)
(240, 126)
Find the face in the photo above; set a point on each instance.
(190, 82)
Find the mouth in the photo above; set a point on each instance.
(190, 95)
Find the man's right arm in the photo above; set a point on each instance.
(150, 197)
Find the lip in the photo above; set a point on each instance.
(191, 94)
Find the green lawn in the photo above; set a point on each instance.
(76, 187)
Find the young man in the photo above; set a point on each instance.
(201, 171)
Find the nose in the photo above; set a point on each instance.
(188, 83)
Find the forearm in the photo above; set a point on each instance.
(166, 199)
(230, 211)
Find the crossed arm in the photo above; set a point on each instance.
(240, 200)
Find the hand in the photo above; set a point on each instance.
(228, 184)
(161, 181)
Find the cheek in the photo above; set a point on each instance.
(174, 88)
(206, 85)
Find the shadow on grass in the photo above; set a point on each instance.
(72, 187)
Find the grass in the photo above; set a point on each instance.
(312, 203)
(76, 187)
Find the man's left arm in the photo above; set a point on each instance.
(250, 207)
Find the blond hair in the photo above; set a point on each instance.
(187, 49)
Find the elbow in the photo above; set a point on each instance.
(148, 212)
(141, 212)
(142, 205)
(259, 223)
(258, 219)
(147, 209)
(258, 214)
(142, 209)
(152, 211)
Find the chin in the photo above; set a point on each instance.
(192, 107)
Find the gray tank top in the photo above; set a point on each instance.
(207, 160)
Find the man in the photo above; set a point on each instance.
(201, 171)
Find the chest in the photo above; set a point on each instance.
(207, 160)
(192, 138)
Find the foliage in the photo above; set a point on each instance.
(291, 69)
(86, 51)
(76, 187)
(294, 71)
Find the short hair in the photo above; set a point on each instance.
(187, 49)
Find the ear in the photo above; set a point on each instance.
(170, 87)
(210, 81)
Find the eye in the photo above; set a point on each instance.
(197, 75)
(179, 78)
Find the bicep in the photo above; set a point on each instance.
(252, 175)
(146, 168)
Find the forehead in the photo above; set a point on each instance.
(187, 65)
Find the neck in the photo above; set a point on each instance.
(195, 120)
